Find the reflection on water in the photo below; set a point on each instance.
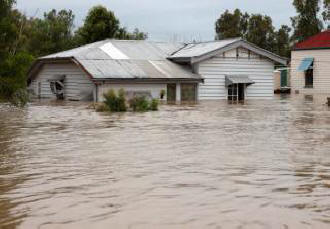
(262, 164)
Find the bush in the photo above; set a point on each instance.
(141, 104)
(115, 103)
(20, 98)
(101, 107)
(154, 105)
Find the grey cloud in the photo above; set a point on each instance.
(164, 19)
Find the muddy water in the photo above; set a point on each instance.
(265, 164)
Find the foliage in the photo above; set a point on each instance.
(102, 107)
(255, 28)
(326, 13)
(115, 103)
(53, 33)
(231, 25)
(20, 98)
(101, 24)
(282, 41)
(261, 31)
(13, 75)
(142, 104)
(154, 104)
(139, 103)
(306, 23)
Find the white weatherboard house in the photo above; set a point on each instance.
(228, 69)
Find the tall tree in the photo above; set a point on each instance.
(100, 24)
(306, 23)
(53, 33)
(8, 29)
(231, 25)
(282, 41)
(13, 65)
(326, 13)
(261, 31)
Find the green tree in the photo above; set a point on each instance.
(306, 23)
(13, 61)
(282, 41)
(100, 24)
(231, 25)
(326, 13)
(261, 31)
(53, 33)
(8, 29)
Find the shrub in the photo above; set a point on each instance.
(154, 105)
(139, 103)
(115, 103)
(101, 107)
(122, 100)
(20, 98)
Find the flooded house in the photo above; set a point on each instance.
(231, 69)
(310, 66)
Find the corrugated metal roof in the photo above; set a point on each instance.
(115, 59)
(198, 49)
(238, 79)
(318, 41)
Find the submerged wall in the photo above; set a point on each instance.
(77, 85)
(213, 70)
(321, 72)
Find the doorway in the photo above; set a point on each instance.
(236, 92)
(171, 92)
(188, 92)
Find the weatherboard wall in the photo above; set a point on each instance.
(78, 86)
(321, 71)
(214, 70)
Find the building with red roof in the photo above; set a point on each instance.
(318, 41)
(310, 65)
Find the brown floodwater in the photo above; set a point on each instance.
(264, 164)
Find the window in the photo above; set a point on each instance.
(188, 92)
(309, 77)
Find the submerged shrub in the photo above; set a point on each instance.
(121, 100)
(115, 103)
(154, 105)
(101, 107)
(139, 103)
(20, 98)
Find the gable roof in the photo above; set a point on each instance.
(318, 41)
(121, 59)
(193, 53)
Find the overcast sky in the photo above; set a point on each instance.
(165, 19)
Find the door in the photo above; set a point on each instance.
(236, 92)
(171, 92)
(241, 92)
(284, 78)
(188, 92)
